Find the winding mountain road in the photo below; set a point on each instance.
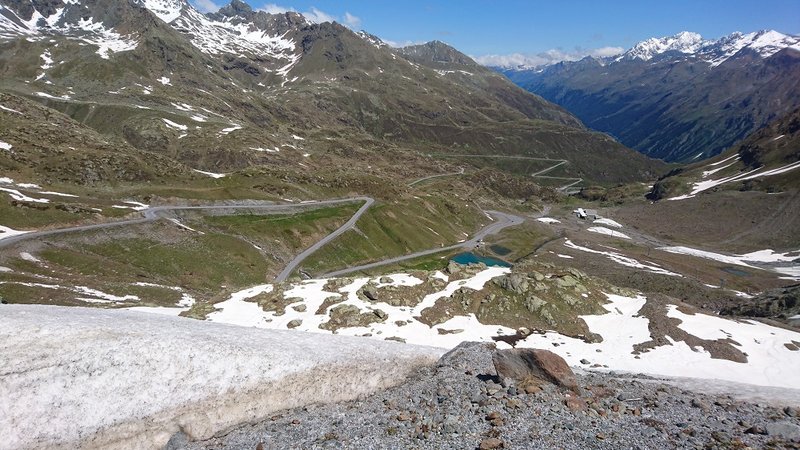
(572, 181)
(154, 213)
(368, 201)
(502, 220)
(151, 214)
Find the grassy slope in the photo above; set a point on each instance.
(224, 257)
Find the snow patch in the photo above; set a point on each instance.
(10, 110)
(82, 377)
(6, 232)
(608, 231)
(30, 258)
(608, 222)
(174, 125)
(211, 174)
(622, 259)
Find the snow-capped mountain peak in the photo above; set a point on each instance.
(715, 51)
(683, 42)
(166, 10)
(38, 20)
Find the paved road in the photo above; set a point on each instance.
(558, 162)
(368, 201)
(502, 220)
(430, 177)
(156, 212)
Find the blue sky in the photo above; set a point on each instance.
(557, 28)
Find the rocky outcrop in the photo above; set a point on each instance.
(534, 366)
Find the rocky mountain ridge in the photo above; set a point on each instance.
(217, 91)
(680, 98)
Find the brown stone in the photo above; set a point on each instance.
(491, 443)
(523, 364)
(531, 388)
(575, 403)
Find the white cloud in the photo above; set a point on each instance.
(401, 44)
(546, 58)
(314, 15)
(206, 6)
(351, 20)
(272, 8)
(317, 16)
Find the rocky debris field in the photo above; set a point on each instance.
(535, 402)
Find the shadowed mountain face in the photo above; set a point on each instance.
(768, 160)
(680, 98)
(217, 91)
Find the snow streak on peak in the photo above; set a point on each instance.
(215, 37)
(220, 34)
(166, 10)
(372, 39)
(85, 29)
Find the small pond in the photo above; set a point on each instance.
(499, 250)
(472, 258)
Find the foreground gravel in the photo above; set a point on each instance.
(462, 404)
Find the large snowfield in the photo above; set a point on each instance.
(131, 379)
(123, 379)
(770, 362)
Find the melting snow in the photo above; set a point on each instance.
(185, 227)
(608, 222)
(165, 81)
(708, 184)
(96, 294)
(19, 196)
(175, 126)
(5, 145)
(211, 174)
(622, 259)
(237, 311)
(126, 379)
(30, 258)
(548, 220)
(232, 128)
(9, 110)
(608, 231)
(132, 205)
(6, 232)
(769, 257)
(46, 95)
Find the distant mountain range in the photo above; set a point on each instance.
(216, 91)
(679, 98)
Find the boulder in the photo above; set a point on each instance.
(453, 267)
(514, 282)
(370, 293)
(538, 276)
(567, 281)
(784, 429)
(294, 323)
(534, 303)
(524, 364)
